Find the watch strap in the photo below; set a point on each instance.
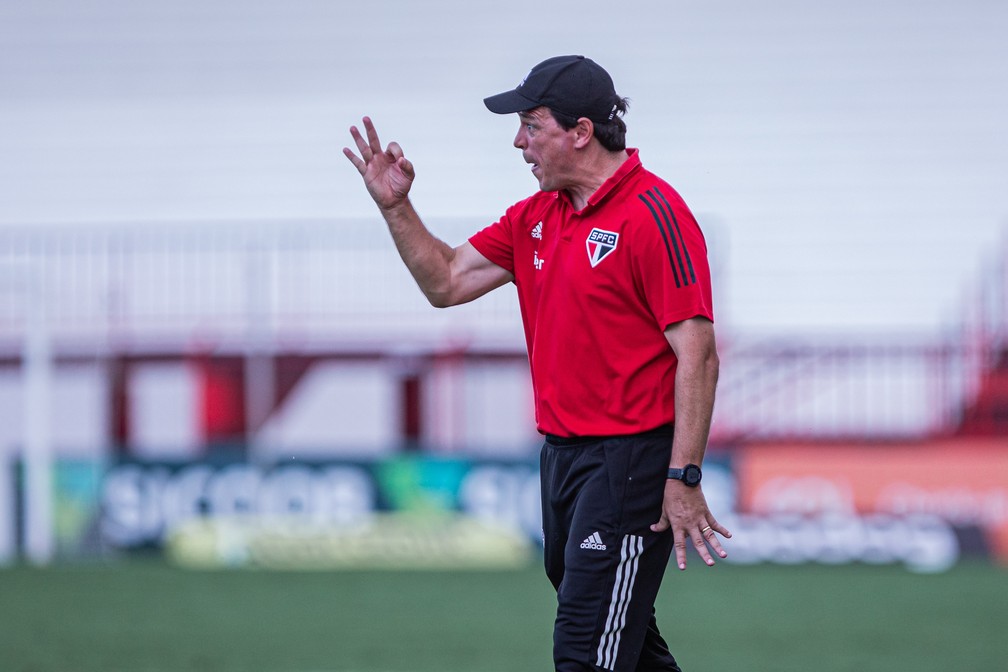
(690, 475)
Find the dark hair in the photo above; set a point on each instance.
(612, 134)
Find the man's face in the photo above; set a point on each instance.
(548, 147)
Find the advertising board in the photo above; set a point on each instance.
(394, 513)
(919, 505)
(907, 491)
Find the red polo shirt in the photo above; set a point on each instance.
(597, 288)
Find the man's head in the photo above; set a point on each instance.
(572, 87)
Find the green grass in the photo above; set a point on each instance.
(147, 616)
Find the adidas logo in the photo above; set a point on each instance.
(537, 231)
(593, 543)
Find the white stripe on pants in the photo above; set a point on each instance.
(626, 573)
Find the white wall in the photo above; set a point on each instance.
(855, 151)
(481, 409)
(336, 409)
(78, 408)
(163, 410)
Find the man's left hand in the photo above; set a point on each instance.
(685, 510)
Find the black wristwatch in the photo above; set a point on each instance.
(690, 475)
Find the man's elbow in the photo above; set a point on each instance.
(439, 301)
(441, 297)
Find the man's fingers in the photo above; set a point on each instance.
(711, 538)
(355, 160)
(406, 167)
(362, 145)
(394, 151)
(700, 540)
(372, 136)
(720, 529)
(680, 551)
(701, 547)
(370, 147)
(710, 533)
(701, 537)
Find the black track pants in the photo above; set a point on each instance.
(600, 496)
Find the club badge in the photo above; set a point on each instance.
(600, 245)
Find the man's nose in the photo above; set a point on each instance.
(519, 140)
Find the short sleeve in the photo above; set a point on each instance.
(671, 266)
(496, 243)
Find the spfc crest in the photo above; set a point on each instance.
(600, 245)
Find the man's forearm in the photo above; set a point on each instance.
(427, 257)
(695, 385)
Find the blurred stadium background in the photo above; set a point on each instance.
(211, 357)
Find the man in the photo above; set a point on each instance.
(614, 289)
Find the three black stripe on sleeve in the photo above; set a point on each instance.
(678, 254)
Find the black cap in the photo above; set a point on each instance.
(572, 85)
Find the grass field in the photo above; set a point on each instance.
(147, 616)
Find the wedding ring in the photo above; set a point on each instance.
(704, 530)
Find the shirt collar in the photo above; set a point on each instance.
(631, 163)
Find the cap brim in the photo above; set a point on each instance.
(509, 102)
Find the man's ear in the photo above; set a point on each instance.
(584, 131)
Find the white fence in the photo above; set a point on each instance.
(338, 287)
(140, 284)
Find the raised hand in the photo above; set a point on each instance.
(388, 175)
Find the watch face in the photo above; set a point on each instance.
(691, 474)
